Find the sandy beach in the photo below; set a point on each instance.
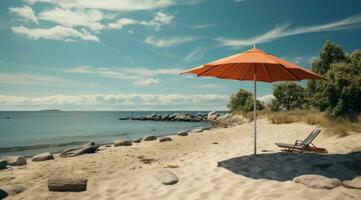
(126, 172)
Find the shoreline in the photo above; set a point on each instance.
(120, 173)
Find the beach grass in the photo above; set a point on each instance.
(340, 126)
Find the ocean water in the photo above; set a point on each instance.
(28, 133)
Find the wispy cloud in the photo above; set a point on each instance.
(54, 33)
(139, 76)
(202, 26)
(169, 41)
(195, 54)
(123, 5)
(25, 13)
(114, 101)
(284, 31)
(160, 19)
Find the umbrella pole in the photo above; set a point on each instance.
(254, 114)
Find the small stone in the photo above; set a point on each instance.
(214, 142)
(317, 181)
(164, 139)
(67, 184)
(354, 183)
(171, 166)
(165, 176)
(3, 164)
(149, 138)
(43, 157)
(15, 160)
(182, 133)
(122, 143)
(197, 130)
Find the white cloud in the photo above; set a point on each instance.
(195, 54)
(54, 33)
(160, 19)
(120, 23)
(266, 99)
(90, 19)
(139, 76)
(168, 41)
(285, 31)
(114, 101)
(25, 12)
(202, 26)
(117, 5)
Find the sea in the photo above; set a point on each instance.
(27, 133)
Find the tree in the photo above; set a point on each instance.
(243, 101)
(289, 96)
(330, 53)
(343, 88)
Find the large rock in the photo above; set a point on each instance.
(164, 139)
(165, 176)
(76, 151)
(137, 140)
(223, 117)
(212, 115)
(3, 164)
(354, 183)
(10, 190)
(149, 138)
(122, 143)
(182, 133)
(15, 160)
(317, 181)
(43, 157)
(67, 184)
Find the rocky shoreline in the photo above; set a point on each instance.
(184, 117)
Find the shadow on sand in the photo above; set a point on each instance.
(286, 166)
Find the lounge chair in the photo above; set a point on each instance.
(305, 145)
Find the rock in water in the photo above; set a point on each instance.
(11, 190)
(43, 157)
(354, 183)
(182, 133)
(149, 138)
(165, 176)
(67, 184)
(76, 151)
(3, 164)
(15, 160)
(317, 181)
(118, 143)
(164, 139)
(137, 140)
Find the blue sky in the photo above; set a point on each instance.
(126, 54)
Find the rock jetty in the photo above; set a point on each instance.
(185, 117)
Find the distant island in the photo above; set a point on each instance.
(50, 110)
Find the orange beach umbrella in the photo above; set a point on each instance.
(255, 65)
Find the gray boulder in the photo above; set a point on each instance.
(83, 149)
(164, 139)
(15, 160)
(118, 143)
(10, 190)
(166, 177)
(212, 115)
(354, 183)
(317, 181)
(137, 140)
(43, 157)
(223, 117)
(3, 164)
(149, 138)
(182, 133)
(67, 184)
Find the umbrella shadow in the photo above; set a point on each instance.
(285, 166)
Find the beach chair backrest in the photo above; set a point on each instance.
(312, 136)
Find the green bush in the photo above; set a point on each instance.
(243, 101)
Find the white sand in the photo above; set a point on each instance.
(117, 173)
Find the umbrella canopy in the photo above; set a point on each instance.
(255, 65)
